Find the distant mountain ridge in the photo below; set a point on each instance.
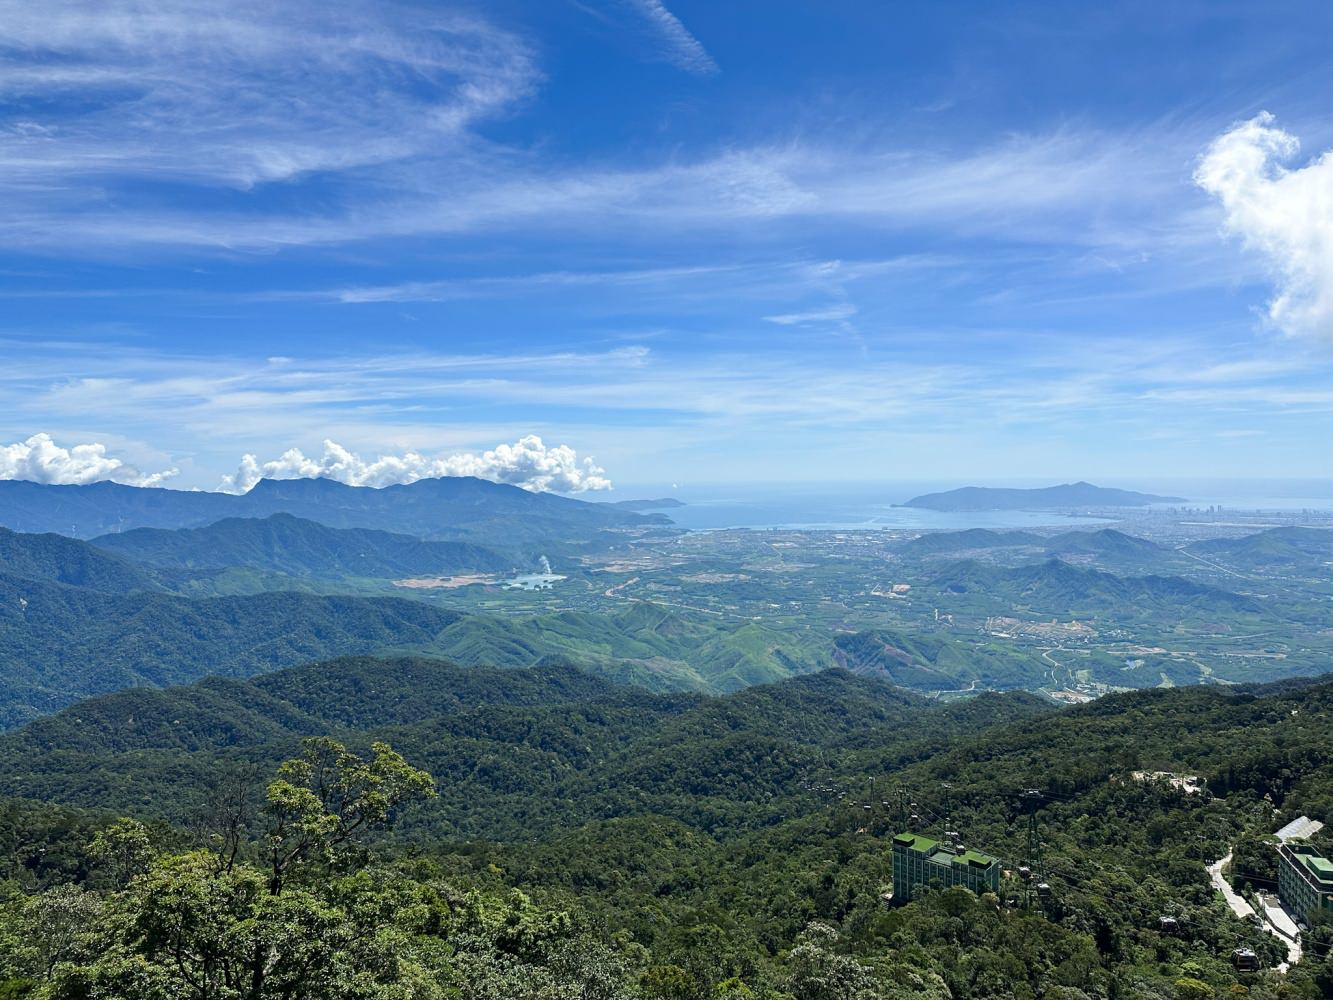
(1080, 494)
(663, 503)
(458, 508)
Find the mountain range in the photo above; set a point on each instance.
(452, 508)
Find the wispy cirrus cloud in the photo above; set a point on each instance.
(833, 314)
(262, 127)
(683, 50)
(234, 97)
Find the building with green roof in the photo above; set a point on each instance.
(921, 863)
(1304, 879)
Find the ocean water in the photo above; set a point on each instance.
(862, 507)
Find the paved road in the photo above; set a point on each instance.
(1274, 925)
(1280, 920)
(1238, 905)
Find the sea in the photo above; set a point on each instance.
(862, 506)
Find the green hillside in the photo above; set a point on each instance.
(1305, 549)
(291, 546)
(56, 559)
(937, 662)
(646, 644)
(62, 643)
(524, 748)
(1058, 588)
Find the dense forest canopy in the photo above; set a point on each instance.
(655, 846)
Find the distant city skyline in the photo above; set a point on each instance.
(572, 245)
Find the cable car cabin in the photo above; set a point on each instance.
(1168, 925)
(1044, 890)
(1025, 873)
(1245, 960)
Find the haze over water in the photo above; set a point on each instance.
(860, 506)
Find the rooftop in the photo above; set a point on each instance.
(1301, 828)
(1319, 868)
(942, 853)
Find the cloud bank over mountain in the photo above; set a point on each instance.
(528, 463)
(1285, 213)
(40, 460)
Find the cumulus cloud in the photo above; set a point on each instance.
(1285, 213)
(528, 463)
(40, 460)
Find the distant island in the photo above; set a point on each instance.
(1068, 495)
(665, 503)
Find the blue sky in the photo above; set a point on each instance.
(688, 242)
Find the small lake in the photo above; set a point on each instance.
(534, 581)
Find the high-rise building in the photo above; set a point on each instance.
(921, 863)
(1304, 879)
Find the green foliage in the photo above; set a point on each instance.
(643, 846)
(54, 558)
(314, 921)
(63, 643)
(291, 546)
(937, 662)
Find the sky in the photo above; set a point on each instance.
(584, 244)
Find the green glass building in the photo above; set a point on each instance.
(921, 863)
(1304, 879)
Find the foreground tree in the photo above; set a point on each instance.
(313, 922)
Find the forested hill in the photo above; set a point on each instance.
(61, 643)
(1298, 548)
(1056, 587)
(349, 694)
(521, 749)
(294, 546)
(56, 559)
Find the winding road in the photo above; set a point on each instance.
(1270, 923)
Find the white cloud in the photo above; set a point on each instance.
(40, 460)
(832, 314)
(528, 463)
(683, 50)
(238, 95)
(316, 122)
(1284, 213)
